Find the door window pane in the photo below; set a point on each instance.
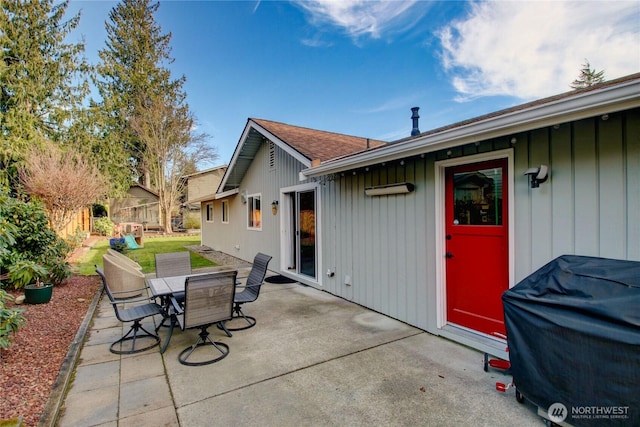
(477, 197)
(254, 211)
(307, 233)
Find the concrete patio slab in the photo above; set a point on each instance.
(312, 360)
(90, 408)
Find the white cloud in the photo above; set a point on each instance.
(361, 18)
(531, 49)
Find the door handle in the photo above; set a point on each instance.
(448, 255)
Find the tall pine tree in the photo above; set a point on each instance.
(42, 78)
(144, 108)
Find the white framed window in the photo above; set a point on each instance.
(209, 212)
(254, 212)
(225, 211)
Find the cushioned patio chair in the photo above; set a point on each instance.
(250, 291)
(124, 259)
(132, 311)
(125, 280)
(208, 300)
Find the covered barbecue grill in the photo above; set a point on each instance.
(573, 331)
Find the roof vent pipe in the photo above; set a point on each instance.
(415, 117)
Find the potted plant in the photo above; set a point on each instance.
(30, 275)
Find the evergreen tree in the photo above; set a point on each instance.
(42, 78)
(143, 107)
(588, 77)
(132, 65)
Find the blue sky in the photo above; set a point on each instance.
(357, 67)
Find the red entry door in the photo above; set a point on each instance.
(477, 245)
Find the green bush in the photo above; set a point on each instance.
(76, 239)
(33, 240)
(192, 221)
(10, 320)
(120, 246)
(103, 226)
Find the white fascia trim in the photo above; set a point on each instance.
(234, 158)
(608, 100)
(286, 147)
(227, 193)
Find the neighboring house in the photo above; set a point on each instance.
(202, 186)
(140, 206)
(433, 228)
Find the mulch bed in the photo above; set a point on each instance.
(29, 368)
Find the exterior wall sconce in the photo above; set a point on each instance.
(274, 207)
(538, 175)
(389, 189)
(244, 197)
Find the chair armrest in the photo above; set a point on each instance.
(176, 306)
(128, 291)
(134, 300)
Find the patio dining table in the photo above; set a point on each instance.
(165, 288)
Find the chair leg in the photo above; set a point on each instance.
(172, 324)
(222, 326)
(238, 314)
(203, 340)
(132, 335)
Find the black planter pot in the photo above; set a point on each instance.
(38, 294)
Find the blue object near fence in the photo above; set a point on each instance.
(116, 241)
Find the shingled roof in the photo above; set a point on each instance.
(304, 144)
(317, 144)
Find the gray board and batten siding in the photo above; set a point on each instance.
(387, 245)
(271, 169)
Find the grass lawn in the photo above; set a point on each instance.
(144, 256)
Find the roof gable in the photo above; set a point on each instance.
(135, 187)
(303, 144)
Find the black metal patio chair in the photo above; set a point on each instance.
(132, 310)
(250, 291)
(173, 264)
(208, 300)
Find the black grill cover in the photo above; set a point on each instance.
(573, 331)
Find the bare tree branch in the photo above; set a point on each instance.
(63, 180)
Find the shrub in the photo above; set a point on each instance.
(8, 229)
(10, 320)
(192, 221)
(76, 239)
(33, 240)
(103, 226)
(119, 245)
